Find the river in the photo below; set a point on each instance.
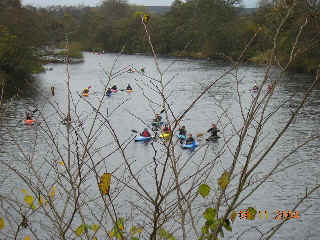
(189, 78)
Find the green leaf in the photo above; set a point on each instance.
(221, 233)
(204, 190)
(134, 238)
(227, 226)
(163, 233)
(210, 214)
(205, 230)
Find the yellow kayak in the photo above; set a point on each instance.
(164, 135)
(85, 94)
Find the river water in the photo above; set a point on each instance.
(188, 78)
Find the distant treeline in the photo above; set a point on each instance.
(194, 28)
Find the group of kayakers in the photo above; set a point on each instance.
(114, 88)
(256, 88)
(182, 134)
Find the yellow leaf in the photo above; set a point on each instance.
(53, 192)
(233, 216)
(251, 213)
(61, 163)
(26, 238)
(1, 223)
(224, 180)
(29, 200)
(104, 184)
(80, 230)
(24, 191)
(146, 18)
(111, 234)
(95, 227)
(139, 230)
(40, 200)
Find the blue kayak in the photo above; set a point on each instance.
(181, 136)
(142, 139)
(190, 146)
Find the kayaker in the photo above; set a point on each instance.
(214, 131)
(269, 88)
(129, 87)
(28, 116)
(145, 133)
(166, 129)
(182, 131)
(190, 139)
(108, 92)
(114, 87)
(85, 91)
(255, 88)
(52, 91)
(157, 118)
(142, 69)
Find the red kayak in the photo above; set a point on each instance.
(114, 90)
(29, 121)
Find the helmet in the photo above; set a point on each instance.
(145, 129)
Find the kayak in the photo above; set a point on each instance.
(181, 136)
(157, 123)
(108, 94)
(142, 139)
(190, 146)
(114, 90)
(29, 122)
(129, 90)
(164, 135)
(212, 138)
(85, 94)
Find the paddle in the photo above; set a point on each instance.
(134, 131)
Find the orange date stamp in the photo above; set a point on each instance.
(276, 215)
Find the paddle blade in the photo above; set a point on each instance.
(162, 111)
(135, 131)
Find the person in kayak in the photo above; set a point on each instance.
(108, 92)
(269, 88)
(129, 87)
(145, 133)
(157, 118)
(190, 139)
(214, 131)
(114, 87)
(182, 131)
(255, 88)
(28, 116)
(85, 91)
(166, 129)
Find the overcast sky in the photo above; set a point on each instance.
(44, 3)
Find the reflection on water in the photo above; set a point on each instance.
(190, 78)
